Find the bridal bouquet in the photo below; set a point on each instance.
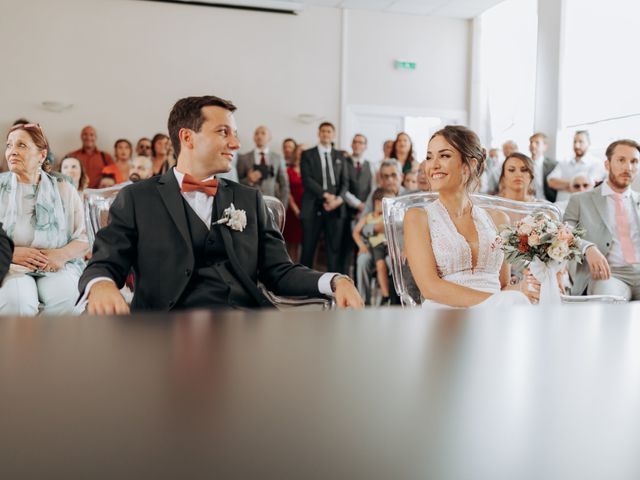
(545, 245)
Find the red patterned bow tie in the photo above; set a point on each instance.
(190, 184)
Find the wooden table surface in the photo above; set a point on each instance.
(520, 393)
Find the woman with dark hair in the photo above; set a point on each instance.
(42, 213)
(160, 153)
(122, 158)
(289, 147)
(516, 178)
(293, 227)
(402, 151)
(74, 169)
(452, 246)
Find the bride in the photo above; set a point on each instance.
(451, 245)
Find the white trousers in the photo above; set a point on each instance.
(21, 294)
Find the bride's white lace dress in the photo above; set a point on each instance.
(454, 259)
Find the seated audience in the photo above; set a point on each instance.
(609, 214)
(93, 159)
(42, 213)
(583, 162)
(377, 242)
(120, 169)
(491, 174)
(402, 151)
(160, 153)
(542, 167)
(73, 168)
(6, 253)
(579, 183)
(516, 178)
(141, 169)
(410, 182)
(107, 180)
(143, 147)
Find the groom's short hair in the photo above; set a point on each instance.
(187, 113)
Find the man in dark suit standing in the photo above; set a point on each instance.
(542, 166)
(193, 240)
(325, 179)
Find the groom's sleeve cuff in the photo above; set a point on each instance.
(324, 283)
(87, 289)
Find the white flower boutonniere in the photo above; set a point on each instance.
(234, 219)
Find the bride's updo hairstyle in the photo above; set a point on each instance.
(467, 143)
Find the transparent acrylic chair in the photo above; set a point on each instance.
(395, 208)
(96, 207)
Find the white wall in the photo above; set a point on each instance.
(123, 63)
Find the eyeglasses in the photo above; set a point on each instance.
(581, 185)
(26, 125)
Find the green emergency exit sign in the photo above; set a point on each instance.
(405, 65)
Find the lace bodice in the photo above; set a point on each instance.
(453, 253)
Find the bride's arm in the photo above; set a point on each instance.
(422, 263)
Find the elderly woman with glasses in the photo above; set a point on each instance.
(42, 213)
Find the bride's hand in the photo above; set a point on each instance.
(530, 286)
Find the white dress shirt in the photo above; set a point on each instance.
(322, 150)
(256, 155)
(615, 256)
(202, 205)
(588, 165)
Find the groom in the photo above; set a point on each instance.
(166, 229)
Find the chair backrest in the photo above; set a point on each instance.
(97, 202)
(277, 210)
(395, 208)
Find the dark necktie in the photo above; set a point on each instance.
(190, 184)
(263, 160)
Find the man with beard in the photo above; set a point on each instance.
(141, 169)
(609, 213)
(582, 163)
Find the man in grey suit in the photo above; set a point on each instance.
(610, 215)
(263, 168)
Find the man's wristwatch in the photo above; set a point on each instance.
(335, 279)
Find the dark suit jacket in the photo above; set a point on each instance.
(547, 167)
(6, 253)
(148, 232)
(311, 172)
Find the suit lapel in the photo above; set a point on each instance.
(172, 199)
(635, 198)
(224, 199)
(600, 202)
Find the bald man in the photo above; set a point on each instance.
(141, 168)
(92, 159)
(264, 169)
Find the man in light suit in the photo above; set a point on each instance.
(610, 215)
(263, 168)
(185, 247)
(325, 179)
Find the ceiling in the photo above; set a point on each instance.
(465, 9)
(440, 8)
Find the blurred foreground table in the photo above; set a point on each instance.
(521, 393)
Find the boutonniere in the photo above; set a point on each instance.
(233, 218)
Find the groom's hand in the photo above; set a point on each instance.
(105, 299)
(597, 264)
(347, 295)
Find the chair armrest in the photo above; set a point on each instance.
(592, 299)
(305, 303)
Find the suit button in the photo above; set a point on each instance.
(187, 272)
(171, 303)
(607, 244)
